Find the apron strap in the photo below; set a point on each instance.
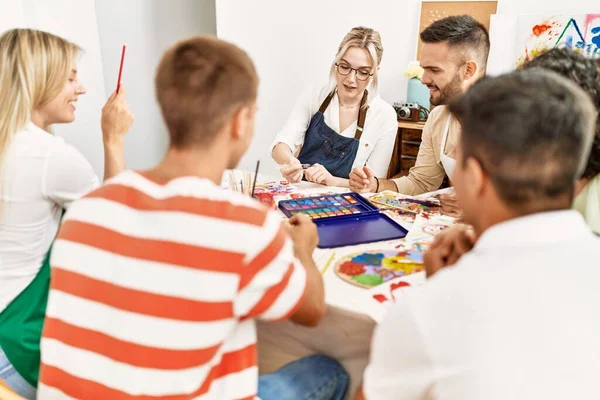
(445, 136)
(326, 102)
(362, 116)
(362, 113)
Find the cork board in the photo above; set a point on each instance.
(431, 11)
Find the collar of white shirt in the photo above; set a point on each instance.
(536, 229)
(31, 127)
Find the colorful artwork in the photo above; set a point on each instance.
(425, 228)
(393, 200)
(578, 32)
(324, 206)
(516, 39)
(266, 193)
(372, 268)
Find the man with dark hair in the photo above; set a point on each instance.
(519, 316)
(454, 56)
(585, 72)
(158, 276)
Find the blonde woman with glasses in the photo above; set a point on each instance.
(342, 125)
(40, 175)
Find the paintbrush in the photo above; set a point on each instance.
(304, 166)
(255, 176)
(405, 261)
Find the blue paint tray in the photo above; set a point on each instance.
(344, 219)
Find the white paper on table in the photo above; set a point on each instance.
(378, 300)
(426, 227)
(427, 195)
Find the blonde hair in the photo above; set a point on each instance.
(361, 38)
(34, 68)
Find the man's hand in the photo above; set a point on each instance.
(449, 205)
(362, 180)
(303, 232)
(448, 246)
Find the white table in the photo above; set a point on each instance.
(346, 330)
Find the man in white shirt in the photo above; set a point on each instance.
(517, 317)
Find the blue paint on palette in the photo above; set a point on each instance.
(369, 258)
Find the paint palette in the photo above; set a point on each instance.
(372, 268)
(334, 205)
(344, 219)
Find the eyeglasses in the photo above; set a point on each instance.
(345, 69)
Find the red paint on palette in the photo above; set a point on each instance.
(352, 268)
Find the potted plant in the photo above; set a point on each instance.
(417, 92)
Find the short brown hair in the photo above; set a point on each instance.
(200, 83)
(531, 131)
(462, 31)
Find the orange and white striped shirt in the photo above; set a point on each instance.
(155, 288)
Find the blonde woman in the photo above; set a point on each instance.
(343, 125)
(40, 175)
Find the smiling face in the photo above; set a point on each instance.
(61, 109)
(350, 87)
(443, 72)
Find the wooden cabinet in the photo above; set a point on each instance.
(406, 148)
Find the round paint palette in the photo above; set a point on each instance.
(372, 268)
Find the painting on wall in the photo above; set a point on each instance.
(517, 39)
(541, 33)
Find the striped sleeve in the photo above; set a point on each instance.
(273, 282)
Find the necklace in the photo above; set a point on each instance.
(349, 107)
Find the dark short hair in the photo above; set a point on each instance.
(585, 73)
(531, 132)
(462, 31)
(200, 83)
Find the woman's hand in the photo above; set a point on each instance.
(117, 118)
(292, 170)
(318, 174)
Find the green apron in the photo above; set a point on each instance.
(21, 325)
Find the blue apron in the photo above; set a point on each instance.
(325, 146)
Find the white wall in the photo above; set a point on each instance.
(293, 44)
(148, 27)
(547, 6)
(74, 20)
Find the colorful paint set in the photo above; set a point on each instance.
(324, 206)
(344, 219)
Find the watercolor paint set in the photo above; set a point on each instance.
(326, 206)
(344, 219)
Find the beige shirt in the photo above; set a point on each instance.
(428, 173)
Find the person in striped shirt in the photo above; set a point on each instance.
(158, 276)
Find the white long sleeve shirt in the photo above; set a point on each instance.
(378, 137)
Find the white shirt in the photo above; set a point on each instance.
(378, 137)
(516, 318)
(41, 174)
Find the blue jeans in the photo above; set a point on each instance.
(12, 378)
(314, 377)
